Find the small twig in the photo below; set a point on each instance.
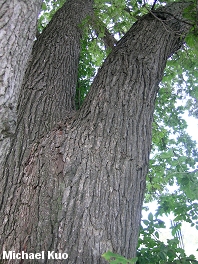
(153, 6)
(169, 31)
(170, 14)
(178, 19)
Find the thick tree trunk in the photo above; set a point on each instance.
(81, 187)
(18, 26)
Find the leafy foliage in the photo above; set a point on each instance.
(152, 250)
(174, 156)
(49, 8)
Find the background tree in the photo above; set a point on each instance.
(18, 27)
(74, 181)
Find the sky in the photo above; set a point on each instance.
(189, 234)
(192, 127)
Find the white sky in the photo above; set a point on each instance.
(192, 127)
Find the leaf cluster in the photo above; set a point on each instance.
(153, 250)
(49, 8)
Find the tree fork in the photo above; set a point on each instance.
(81, 189)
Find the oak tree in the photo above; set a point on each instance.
(73, 180)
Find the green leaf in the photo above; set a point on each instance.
(157, 234)
(150, 217)
(44, 6)
(113, 258)
(146, 222)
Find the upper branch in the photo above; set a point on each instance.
(48, 92)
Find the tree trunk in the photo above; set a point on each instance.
(18, 26)
(79, 188)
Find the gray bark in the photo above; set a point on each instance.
(79, 188)
(18, 25)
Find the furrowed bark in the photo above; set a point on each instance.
(46, 97)
(18, 26)
(81, 189)
(48, 91)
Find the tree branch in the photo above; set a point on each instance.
(99, 27)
